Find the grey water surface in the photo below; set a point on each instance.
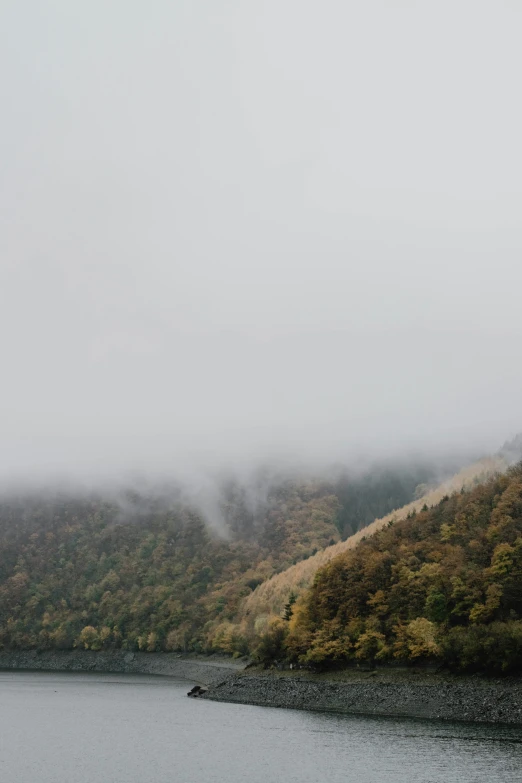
(57, 727)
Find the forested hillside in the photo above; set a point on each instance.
(75, 572)
(259, 614)
(443, 584)
(146, 571)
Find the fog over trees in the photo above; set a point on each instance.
(259, 287)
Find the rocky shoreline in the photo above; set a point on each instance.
(203, 670)
(382, 692)
(413, 695)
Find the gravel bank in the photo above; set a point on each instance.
(382, 692)
(424, 696)
(205, 671)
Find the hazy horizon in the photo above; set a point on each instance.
(236, 235)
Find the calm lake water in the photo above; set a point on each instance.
(57, 728)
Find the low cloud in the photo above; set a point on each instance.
(221, 252)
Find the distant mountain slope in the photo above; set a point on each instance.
(270, 598)
(143, 570)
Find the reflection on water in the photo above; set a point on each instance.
(125, 729)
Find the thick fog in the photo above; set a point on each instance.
(233, 232)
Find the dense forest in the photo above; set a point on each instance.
(268, 602)
(442, 585)
(145, 570)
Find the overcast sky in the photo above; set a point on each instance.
(233, 229)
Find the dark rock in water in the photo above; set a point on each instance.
(197, 690)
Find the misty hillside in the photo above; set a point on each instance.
(158, 571)
(443, 584)
(263, 608)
